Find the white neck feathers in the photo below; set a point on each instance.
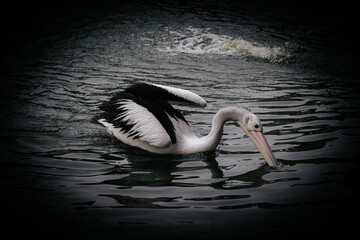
(211, 141)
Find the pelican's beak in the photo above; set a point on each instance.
(261, 144)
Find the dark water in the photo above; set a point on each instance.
(294, 65)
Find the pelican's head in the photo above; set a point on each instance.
(252, 126)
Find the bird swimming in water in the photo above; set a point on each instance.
(141, 116)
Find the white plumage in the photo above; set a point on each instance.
(185, 94)
(148, 126)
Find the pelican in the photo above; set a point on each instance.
(141, 116)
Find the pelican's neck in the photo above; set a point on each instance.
(210, 141)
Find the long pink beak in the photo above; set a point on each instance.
(261, 144)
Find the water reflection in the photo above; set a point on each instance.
(144, 169)
(178, 179)
(131, 202)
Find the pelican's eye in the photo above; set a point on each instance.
(256, 127)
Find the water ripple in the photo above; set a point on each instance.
(57, 163)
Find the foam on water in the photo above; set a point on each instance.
(201, 41)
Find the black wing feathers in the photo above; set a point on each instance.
(152, 92)
(153, 98)
(112, 110)
(157, 99)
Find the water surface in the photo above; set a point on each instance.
(62, 173)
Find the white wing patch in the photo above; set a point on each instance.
(145, 124)
(190, 96)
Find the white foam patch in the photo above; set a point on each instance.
(202, 41)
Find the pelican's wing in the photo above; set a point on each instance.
(128, 121)
(142, 112)
(165, 93)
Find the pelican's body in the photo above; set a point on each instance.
(141, 116)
